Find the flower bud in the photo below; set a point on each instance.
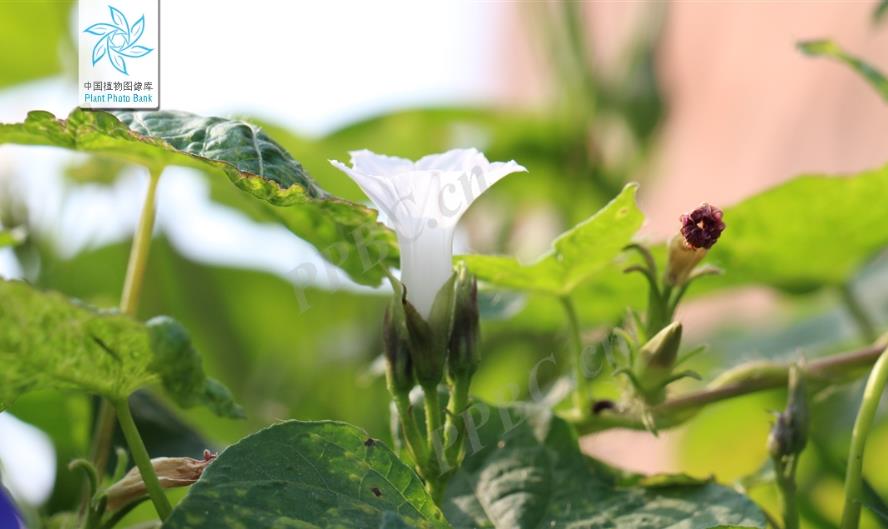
(396, 345)
(171, 472)
(656, 358)
(654, 363)
(790, 431)
(464, 356)
(700, 229)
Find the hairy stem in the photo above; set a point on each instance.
(434, 438)
(659, 314)
(142, 460)
(573, 324)
(875, 386)
(454, 426)
(786, 484)
(432, 416)
(742, 380)
(129, 302)
(412, 437)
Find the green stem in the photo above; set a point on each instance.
(786, 485)
(875, 386)
(858, 313)
(659, 313)
(129, 301)
(573, 323)
(142, 460)
(433, 476)
(435, 489)
(454, 427)
(742, 380)
(432, 416)
(411, 431)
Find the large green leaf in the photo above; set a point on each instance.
(525, 471)
(576, 256)
(307, 474)
(346, 233)
(50, 342)
(828, 48)
(810, 232)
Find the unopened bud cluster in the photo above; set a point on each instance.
(790, 431)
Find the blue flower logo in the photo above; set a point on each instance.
(119, 40)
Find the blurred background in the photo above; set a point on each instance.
(697, 101)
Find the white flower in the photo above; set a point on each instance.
(423, 201)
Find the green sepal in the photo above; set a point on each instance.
(463, 354)
(396, 344)
(428, 338)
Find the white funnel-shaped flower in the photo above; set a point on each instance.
(424, 200)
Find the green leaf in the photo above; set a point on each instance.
(346, 233)
(307, 474)
(828, 48)
(770, 237)
(526, 471)
(577, 255)
(181, 370)
(50, 342)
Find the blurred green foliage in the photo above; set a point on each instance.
(35, 40)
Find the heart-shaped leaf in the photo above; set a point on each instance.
(769, 239)
(307, 474)
(525, 471)
(576, 256)
(346, 233)
(50, 342)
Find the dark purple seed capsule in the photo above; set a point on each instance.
(702, 227)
